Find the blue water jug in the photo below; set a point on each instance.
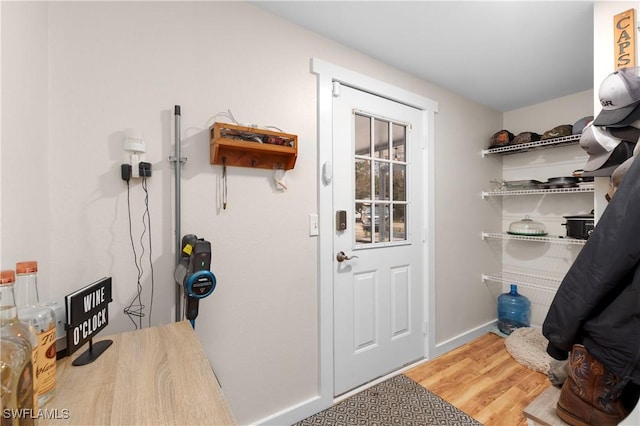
(514, 311)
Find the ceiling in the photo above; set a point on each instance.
(503, 54)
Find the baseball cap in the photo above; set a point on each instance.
(620, 171)
(579, 125)
(619, 95)
(629, 133)
(599, 143)
(616, 177)
(619, 155)
(557, 132)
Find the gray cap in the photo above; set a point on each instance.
(579, 125)
(599, 144)
(627, 133)
(620, 98)
(619, 155)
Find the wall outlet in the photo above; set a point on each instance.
(135, 166)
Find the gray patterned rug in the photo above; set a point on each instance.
(396, 401)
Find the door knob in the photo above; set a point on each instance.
(341, 257)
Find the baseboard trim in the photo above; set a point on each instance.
(461, 339)
(297, 412)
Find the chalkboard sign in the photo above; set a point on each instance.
(87, 313)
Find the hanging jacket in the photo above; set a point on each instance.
(598, 301)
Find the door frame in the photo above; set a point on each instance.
(327, 73)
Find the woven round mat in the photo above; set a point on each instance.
(529, 347)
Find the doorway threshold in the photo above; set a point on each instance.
(380, 379)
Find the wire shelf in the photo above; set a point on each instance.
(525, 280)
(531, 146)
(554, 239)
(581, 188)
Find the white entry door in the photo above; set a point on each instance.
(378, 282)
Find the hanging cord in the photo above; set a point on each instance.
(224, 183)
(134, 309)
(148, 216)
(139, 296)
(226, 114)
(229, 116)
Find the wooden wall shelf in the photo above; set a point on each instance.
(250, 147)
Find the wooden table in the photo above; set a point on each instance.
(154, 376)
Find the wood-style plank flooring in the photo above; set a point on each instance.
(483, 380)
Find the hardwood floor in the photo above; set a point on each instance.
(483, 380)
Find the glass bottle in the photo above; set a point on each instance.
(11, 326)
(42, 319)
(16, 382)
(514, 311)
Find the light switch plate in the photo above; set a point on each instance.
(313, 225)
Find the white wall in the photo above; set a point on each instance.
(113, 65)
(463, 302)
(25, 137)
(546, 115)
(0, 134)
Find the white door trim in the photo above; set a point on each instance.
(328, 73)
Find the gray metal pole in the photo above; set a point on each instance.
(178, 162)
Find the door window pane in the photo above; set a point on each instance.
(381, 182)
(381, 223)
(381, 138)
(399, 142)
(363, 225)
(399, 182)
(363, 179)
(399, 222)
(363, 135)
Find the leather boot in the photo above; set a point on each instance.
(581, 401)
